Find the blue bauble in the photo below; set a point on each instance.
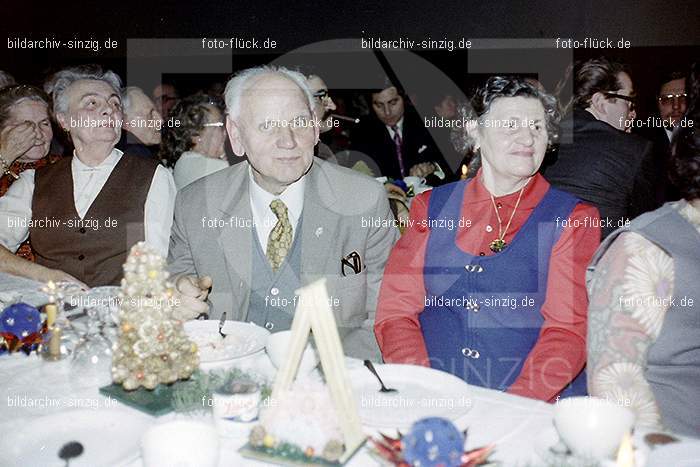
(20, 319)
(433, 442)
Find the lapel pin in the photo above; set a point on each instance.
(319, 231)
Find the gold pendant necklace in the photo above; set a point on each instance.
(499, 244)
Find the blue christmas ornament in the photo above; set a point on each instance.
(20, 319)
(433, 442)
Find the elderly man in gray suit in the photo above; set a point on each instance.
(247, 237)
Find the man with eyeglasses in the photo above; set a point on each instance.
(603, 165)
(671, 103)
(323, 108)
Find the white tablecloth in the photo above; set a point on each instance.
(513, 423)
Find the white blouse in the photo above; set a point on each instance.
(192, 166)
(16, 204)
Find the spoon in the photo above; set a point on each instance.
(222, 321)
(70, 450)
(370, 367)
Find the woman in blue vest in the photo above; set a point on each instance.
(488, 281)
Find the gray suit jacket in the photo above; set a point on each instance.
(212, 235)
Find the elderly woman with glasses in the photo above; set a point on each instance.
(83, 213)
(488, 282)
(195, 146)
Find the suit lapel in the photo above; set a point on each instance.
(320, 224)
(237, 241)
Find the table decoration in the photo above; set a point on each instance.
(309, 422)
(152, 347)
(194, 395)
(431, 442)
(21, 329)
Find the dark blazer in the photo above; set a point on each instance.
(372, 138)
(131, 144)
(665, 191)
(606, 167)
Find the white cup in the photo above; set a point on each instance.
(415, 181)
(278, 350)
(592, 427)
(180, 443)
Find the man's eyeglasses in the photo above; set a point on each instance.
(630, 99)
(668, 99)
(321, 94)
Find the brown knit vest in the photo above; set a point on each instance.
(94, 248)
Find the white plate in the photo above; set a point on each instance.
(684, 454)
(242, 339)
(422, 392)
(109, 437)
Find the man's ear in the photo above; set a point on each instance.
(474, 133)
(317, 130)
(234, 137)
(61, 119)
(598, 101)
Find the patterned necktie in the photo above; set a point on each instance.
(280, 239)
(397, 147)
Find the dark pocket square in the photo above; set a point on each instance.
(352, 263)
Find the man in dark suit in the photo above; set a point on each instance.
(605, 166)
(395, 138)
(671, 102)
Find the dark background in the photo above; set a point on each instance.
(663, 35)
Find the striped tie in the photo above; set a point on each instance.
(397, 147)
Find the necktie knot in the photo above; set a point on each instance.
(278, 208)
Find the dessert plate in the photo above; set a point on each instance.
(108, 437)
(242, 339)
(421, 392)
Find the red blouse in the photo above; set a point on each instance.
(560, 352)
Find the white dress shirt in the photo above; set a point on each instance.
(16, 205)
(669, 134)
(399, 125)
(192, 166)
(264, 219)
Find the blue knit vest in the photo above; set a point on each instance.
(482, 313)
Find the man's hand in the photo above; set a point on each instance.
(392, 189)
(192, 292)
(16, 140)
(422, 170)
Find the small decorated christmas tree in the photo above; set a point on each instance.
(152, 347)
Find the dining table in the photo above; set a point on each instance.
(32, 387)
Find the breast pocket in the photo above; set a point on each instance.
(349, 299)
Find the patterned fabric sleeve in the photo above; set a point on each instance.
(629, 297)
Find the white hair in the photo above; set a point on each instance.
(58, 83)
(237, 85)
(126, 96)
